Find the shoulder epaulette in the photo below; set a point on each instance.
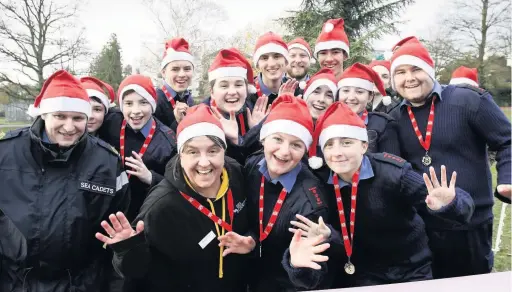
(312, 188)
(12, 134)
(382, 115)
(471, 87)
(390, 158)
(107, 146)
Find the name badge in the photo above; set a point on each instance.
(96, 188)
(207, 239)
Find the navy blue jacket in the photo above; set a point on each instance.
(53, 202)
(164, 110)
(390, 240)
(466, 121)
(305, 198)
(382, 134)
(160, 150)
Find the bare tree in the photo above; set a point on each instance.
(442, 48)
(482, 25)
(37, 36)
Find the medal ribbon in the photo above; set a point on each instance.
(209, 214)
(169, 96)
(348, 242)
(364, 116)
(242, 123)
(275, 212)
(144, 146)
(428, 135)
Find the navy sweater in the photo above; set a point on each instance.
(164, 111)
(390, 240)
(466, 121)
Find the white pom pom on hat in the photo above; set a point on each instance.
(302, 84)
(328, 27)
(386, 100)
(315, 162)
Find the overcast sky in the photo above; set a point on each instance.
(133, 24)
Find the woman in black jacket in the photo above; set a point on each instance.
(174, 245)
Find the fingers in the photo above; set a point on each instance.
(305, 220)
(321, 222)
(444, 182)
(321, 248)
(314, 266)
(140, 227)
(108, 229)
(216, 113)
(426, 179)
(102, 238)
(319, 258)
(453, 179)
(122, 219)
(317, 240)
(137, 156)
(293, 230)
(300, 225)
(249, 115)
(433, 176)
(268, 109)
(297, 235)
(115, 223)
(227, 251)
(132, 165)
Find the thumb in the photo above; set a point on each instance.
(503, 188)
(321, 222)
(297, 235)
(140, 227)
(249, 115)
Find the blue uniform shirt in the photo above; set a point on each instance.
(287, 180)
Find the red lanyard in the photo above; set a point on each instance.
(258, 88)
(242, 123)
(209, 214)
(169, 96)
(364, 116)
(425, 143)
(277, 207)
(348, 242)
(144, 146)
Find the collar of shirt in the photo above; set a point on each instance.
(287, 180)
(365, 119)
(438, 89)
(147, 127)
(264, 89)
(365, 173)
(174, 94)
(45, 138)
(224, 184)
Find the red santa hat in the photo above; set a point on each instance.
(289, 115)
(332, 36)
(362, 76)
(176, 50)
(61, 92)
(322, 77)
(231, 63)
(338, 121)
(269, 43)
(383, 63)
(94, 88)
(300, 43)
(465, 75)
(410, 51)
(142, 85)
(199, 121)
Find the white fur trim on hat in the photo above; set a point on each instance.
(315, 162)
(270, 48)
(328, 27)
(317, 83)
(411, 60)
(386, 100)
(173, 55)
(286, 127)
(342, 131)
(299, 46)
(140, 91)
(227, 72)
(462, 80)
(101, 96)
(62, 104)
(199, 129)
(356, 82)
(331, 45)
(382, 67)
(32, 111)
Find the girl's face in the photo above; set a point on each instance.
(319, 100)
(356, 98)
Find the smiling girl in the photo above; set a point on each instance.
(101, 95)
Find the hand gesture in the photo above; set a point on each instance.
(120, 229)
(230, 126)
(180, 109)
(311, 228)
(139, 169)
(439, 195)
(235, 243)
(260, 111)
(288, 87)
(304, 252)
(505, 190)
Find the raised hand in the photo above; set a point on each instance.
(230, 126)
(305, 252)
(311, 228)
(139, 169)
(235, 243)
(439, 194)
(120, 229)
(259, 112)
(180, 110)
(289, 87)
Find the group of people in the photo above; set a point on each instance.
(263, 185)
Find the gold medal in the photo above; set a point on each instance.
(350, 268)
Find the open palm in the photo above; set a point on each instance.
(230, 126)
(305, 252)
(439, 194)
(120, 229)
